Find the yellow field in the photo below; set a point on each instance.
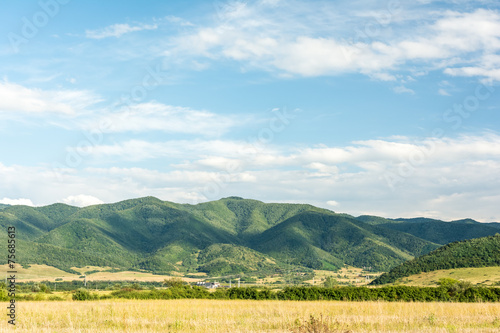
(480, 275)
(44, 272)
(252, 316)
(35, 272)
(353, 275)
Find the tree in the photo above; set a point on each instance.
(174, 282)
(330, 282)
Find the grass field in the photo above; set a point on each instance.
(43, 273)
(480, 275)
(253, 316)
(349, 275)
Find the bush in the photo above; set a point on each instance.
(173, 282)
(55, 298)
(330, 282)
(4, 295)
(84, 295)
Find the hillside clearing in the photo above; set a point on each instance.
(476, 275)
(49, 273)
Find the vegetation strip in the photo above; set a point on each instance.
(452, 291)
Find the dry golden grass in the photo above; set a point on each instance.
(252, 316)
(130, 275)
(38, 273)
(351, 275)
(44, 273)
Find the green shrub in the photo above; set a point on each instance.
(84, 295)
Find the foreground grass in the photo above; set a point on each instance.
(253, 316)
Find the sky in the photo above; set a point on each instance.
(388, 108)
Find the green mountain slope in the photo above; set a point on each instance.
(324, 241)
(373, 220)
(222, 259)
(245, 218)
(31, 216)
(85, 237)
(58, 213)
(25, 230)
(479, 252)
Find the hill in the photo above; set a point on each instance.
(444, 232)
(480, 252)
(435, 231)
(485, 276)
(227, 236)
(328, 241)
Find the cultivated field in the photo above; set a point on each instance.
(48, 273)
(253, 316)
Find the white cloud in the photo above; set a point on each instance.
(287, 38)
(15, 99)
(447, 178)
(12, 202)
(118, 30)
(332, 203)
(491, 74)
(403, 90)
(159, 117)
(367, 154)
(82, 200)
(443, 92)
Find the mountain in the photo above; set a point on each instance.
(373, 220)
(320, 241)
(435, 231)
(444, 232)
(227, 236)
(479, 252)
(2, 206)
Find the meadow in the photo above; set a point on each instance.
(253, 316)
(487, 276)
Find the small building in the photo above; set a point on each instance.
(209, 285)
(212, 285)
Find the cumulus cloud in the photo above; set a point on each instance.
(279, 37)
(154, 116)
(332, 203)
(403, 90)
(82, 200)
(447, 178)
(118, 30)
(15, 98)
(13, 202)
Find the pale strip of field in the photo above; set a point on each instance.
(251, 316)
(38, 272)
(44, 272)
(85, 269)
(476, 275)
(353, 275)
(130, 275)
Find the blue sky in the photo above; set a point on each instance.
(389, 108)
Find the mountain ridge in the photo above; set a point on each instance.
(160, 236)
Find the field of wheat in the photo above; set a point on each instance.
(252, 316)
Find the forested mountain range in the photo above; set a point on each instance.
(477, 252)
(227, 236)
(436, 231)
